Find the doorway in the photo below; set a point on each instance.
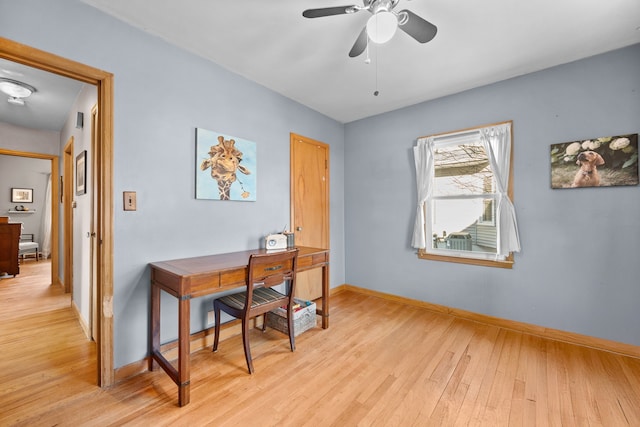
(102, 185)
(309, 205)
(54, 194)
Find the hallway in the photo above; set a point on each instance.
(35, 371)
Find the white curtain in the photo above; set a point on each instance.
(46, 222)
(497, 145)
(423, 156)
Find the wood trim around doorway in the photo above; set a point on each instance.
(67, 215)
(23, 54)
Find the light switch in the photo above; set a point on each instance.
(129, 200)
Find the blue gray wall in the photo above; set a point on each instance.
(579, 266)
(162, 94)
(22, 172)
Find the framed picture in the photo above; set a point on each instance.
(597, 162)
(22, 195)
(226, 167)
(81, 173)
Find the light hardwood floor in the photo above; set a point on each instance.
(380, 363)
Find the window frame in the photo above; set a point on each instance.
(459, 256)
(490, 203)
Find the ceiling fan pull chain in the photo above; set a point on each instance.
(377, 60)
(368, 61)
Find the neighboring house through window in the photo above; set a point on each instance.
(464, 212)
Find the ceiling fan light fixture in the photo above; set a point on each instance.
(16, 101)
(382, 26)
(16, 89)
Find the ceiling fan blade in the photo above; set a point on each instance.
(360, 45)
(418, 28)
(326, 11)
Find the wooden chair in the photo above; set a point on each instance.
(27, 245)
(265, 270)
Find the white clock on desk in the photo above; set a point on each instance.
(276, 241)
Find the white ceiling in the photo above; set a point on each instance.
(478, 42)
(271, 43)
(48, 107)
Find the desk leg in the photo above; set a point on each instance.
(184, 314)
(325, 296)
(155, 324)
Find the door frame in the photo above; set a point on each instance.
(103, 185)
(95, 207)
(67, 215)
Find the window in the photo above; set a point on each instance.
(465, 212)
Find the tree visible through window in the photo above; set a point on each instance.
(464, 178)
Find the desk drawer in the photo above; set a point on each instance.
(315, 259)
(233, 278)
(205, 284)
(320, 258)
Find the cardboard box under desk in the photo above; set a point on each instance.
(303, 319)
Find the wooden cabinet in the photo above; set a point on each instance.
(9, 240)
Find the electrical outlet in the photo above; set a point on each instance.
(129, 202)
(211, 317)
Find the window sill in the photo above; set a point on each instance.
(508, 263)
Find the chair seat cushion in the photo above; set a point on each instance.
(260, 296)
(28, 245)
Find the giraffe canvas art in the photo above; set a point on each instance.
(225, 167)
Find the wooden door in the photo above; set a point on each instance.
(309, 205)
(95, 209)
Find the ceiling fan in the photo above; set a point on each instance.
(382, 24)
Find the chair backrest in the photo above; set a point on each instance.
(271, 269)
(27, 237)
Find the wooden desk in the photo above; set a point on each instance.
(9, 239)
(195, 277)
